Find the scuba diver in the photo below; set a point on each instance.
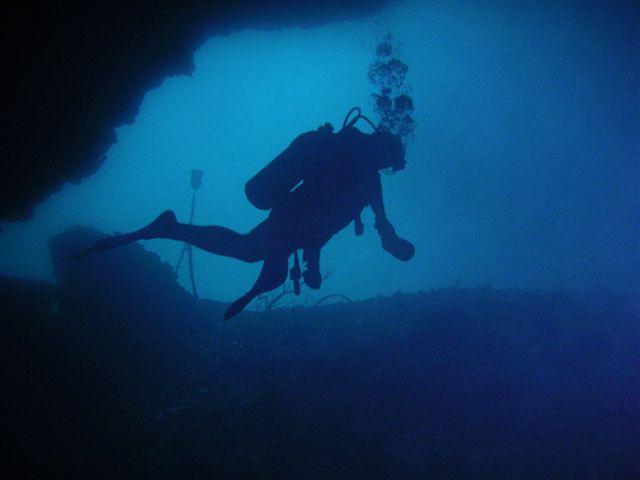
(314, 188)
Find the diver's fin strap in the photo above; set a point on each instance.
(295, 273)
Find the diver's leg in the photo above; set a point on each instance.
(214, 239)
(272, 275)
(221, 241)
(311, 275)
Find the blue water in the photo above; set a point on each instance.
(523, 171)
(505, 349)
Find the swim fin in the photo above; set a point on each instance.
(237, 306)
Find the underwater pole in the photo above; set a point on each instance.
(196, 183)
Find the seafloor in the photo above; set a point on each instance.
(119, 373)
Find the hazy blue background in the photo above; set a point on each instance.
(523, 171)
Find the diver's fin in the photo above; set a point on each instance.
(237, 306)
(109, 243)
(272, 275)
(159, 228)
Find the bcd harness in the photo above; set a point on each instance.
(295, 274)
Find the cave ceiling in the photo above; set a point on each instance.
(74, 71)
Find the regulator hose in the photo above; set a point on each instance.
(350, 122)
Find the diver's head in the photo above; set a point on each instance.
(387, 151)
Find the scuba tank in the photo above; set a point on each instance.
(288, 169)
(297, 161)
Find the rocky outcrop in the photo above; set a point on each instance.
(75, 71)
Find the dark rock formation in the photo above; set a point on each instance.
(75, 71)
(30, 298)
(135, 378)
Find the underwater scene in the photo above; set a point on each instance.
(291, 240)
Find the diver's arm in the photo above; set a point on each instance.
(375, 196)
(391, 242)
(382, 224)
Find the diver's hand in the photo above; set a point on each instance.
(392, 243)
(398, 247)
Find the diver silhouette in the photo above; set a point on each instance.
(314, 188)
